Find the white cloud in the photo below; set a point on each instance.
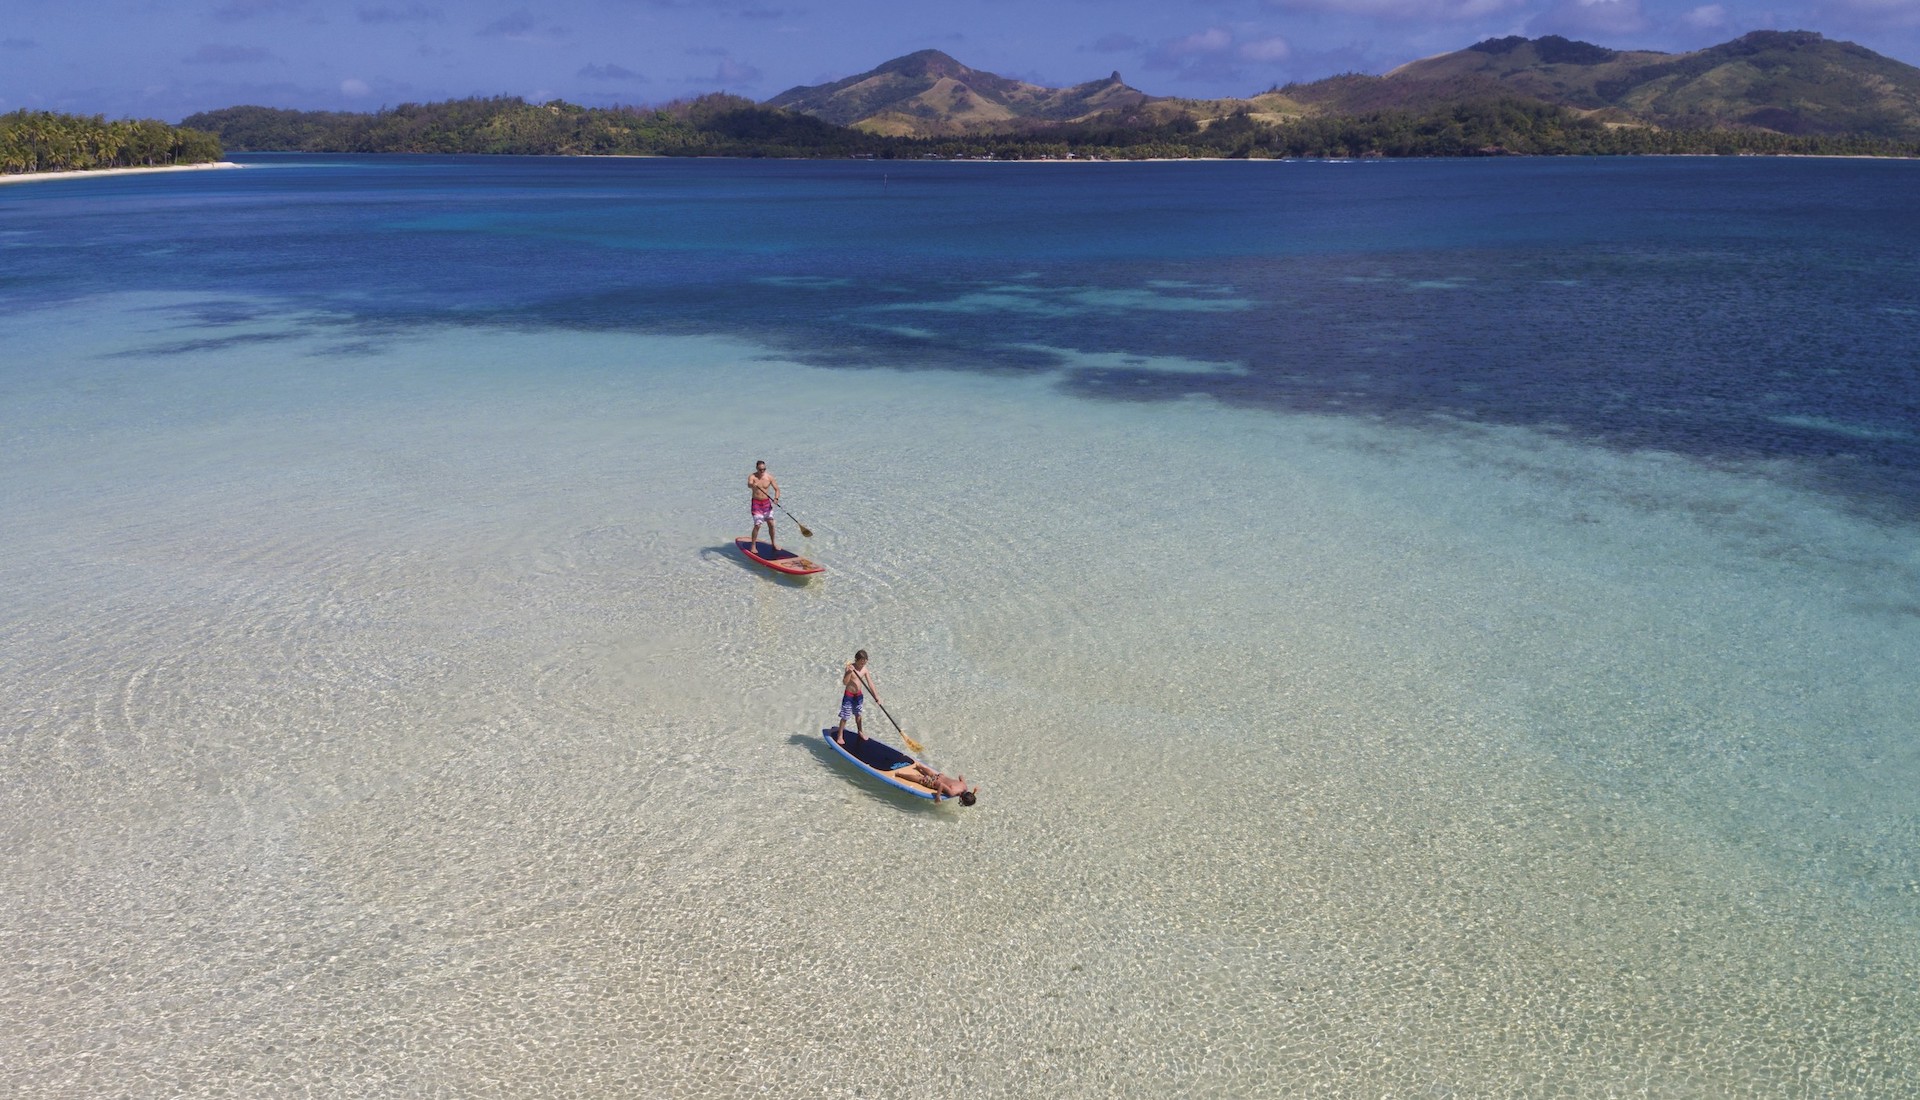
(412, 13)
(1706, 17)
(237, 11)
(1214, 55)
(1591, 20)
(1402, 11)
(1274, 48)
(1874, 13)
(735, 72)
(227, 55)
(1211, 40)
(521, 25)
(355, 87)
(609, 72)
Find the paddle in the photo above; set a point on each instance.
(805, 531)
(911, 743)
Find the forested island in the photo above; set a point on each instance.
(724, 125)
(1765, 93)
(41, 141)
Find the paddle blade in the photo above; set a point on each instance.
(911, 743)
(805, 531)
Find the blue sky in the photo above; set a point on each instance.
(153, 59)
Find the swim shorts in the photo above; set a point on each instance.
(850, 706)
(763, 511)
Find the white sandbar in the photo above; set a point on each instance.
(29, 177)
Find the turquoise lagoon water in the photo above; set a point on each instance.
(1425, 629)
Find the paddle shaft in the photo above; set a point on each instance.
(805, 532)
(911, 743)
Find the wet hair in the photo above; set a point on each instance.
(968, 798)
(859, 654)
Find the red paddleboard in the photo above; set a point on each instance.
(780, 561)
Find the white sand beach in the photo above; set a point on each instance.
(29, 177)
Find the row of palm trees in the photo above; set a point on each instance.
(42, 141)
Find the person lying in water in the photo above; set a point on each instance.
(942, 786)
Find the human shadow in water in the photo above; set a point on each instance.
(882, 793)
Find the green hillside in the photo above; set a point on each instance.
(1789, 82)
(928, 93)
(713, 125)
(728, 126)
(1771, 93)
(1784, 82)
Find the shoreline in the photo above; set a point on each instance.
(28, 177)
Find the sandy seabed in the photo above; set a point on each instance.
(390, 716)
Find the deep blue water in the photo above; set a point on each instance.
(1728, 309)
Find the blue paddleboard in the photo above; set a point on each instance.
(876, 760)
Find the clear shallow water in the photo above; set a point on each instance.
(387, 716)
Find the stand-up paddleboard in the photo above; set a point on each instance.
(780, 561)
(877, 759)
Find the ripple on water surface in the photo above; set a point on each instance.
(407, 723)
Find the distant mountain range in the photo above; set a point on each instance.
(1786, 82)
(928, 93)
(1766, 93)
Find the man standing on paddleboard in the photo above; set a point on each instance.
(764, 493)
(853, 677)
